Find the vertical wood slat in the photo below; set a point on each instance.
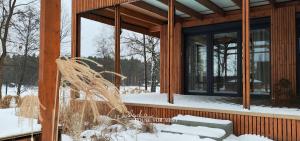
(280, 129)
(283, 47)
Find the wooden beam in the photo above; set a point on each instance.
(153, 9)
(128, 26)
(171, 25)
(212, 6)
(148, 7)
(111, 14)
(246, 54)
(117, 46)
(140, 16)
(185, 9)
(238, 3)
(49, 52)
(273, 3)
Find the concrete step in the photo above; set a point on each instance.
(200, 131)
(188, 120)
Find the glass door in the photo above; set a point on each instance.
(225, 63)
(197, 63)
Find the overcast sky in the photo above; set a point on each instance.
(91, 31)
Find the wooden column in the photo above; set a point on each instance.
(76, 41)
(246, 54)
(164, 77)
(49, 52)
(117, 45)
(171, 22)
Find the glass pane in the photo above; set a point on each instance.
(260, 61)
(197, 63)
(225, 63)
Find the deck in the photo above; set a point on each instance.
(274, 122)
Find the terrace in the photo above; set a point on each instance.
(204, 24)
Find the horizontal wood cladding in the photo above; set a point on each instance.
(279, 128)
(177, 61)
(86, 5)
(283, 47)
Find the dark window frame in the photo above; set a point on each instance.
(209, 31)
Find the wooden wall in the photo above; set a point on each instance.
(276, 127)
(283, 46)
(86, 5)
(177, 58)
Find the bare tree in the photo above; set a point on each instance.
(8, 9)
(27, 39)
(65, 32)
(147, 48)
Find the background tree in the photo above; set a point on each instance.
(8, 9)
(27, 40)
(148, 49)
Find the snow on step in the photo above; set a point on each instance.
(201, 131)
(189, 120)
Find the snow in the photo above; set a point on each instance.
(133, 135)
(200, 119)
(196, 131)
(11, 125)
(65, 137)
(205, 102)
(246, 137)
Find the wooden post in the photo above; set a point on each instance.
(171, 22)
(117, 45)
(76, 41)
(49, 52)
(246, 54)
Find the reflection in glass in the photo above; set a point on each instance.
(260, 61)
(225, 63)
(197, 60)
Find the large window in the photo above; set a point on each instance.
(213, 59)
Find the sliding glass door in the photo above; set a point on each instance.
(225, 63)
(213, 59)
(212, 63)
(197, 63)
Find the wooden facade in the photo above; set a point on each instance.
(279, 38)
(283, 29)
(169, 27)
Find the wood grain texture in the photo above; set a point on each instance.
(283, 47)
(87, 5)
(48, 83)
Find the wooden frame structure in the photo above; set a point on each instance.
(132, 15)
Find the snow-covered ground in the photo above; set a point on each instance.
(133, 135)
(207, 102)
(11, 125)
